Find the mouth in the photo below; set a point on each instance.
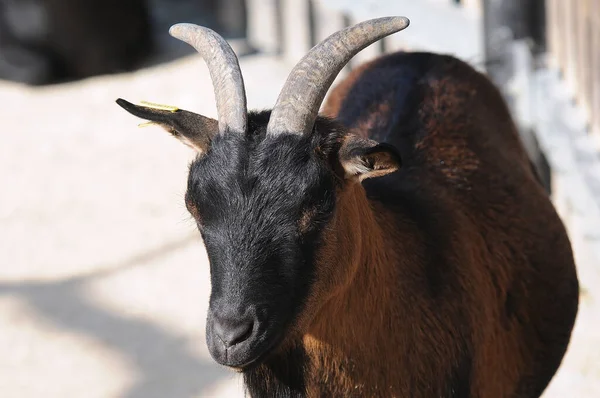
(259, 357)
(245, 355)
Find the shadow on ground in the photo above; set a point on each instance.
(166, 366)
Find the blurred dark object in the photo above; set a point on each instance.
(50, 41)
(226, 17)
(231, 17)
(508, 20)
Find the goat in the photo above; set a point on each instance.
(397, 246)
(50, 41)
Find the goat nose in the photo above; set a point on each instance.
(233, 330)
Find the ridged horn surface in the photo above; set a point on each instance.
(225, 73)
(301, 97)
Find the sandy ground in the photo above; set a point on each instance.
(103, 279)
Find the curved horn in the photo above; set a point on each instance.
(224, 71)
(300, 99)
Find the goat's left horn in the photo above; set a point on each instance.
(301, 97)
(224, 71)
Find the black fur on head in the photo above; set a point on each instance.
(252, 195)
(261, 203)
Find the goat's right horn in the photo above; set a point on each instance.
(300, 99)
(225, 73)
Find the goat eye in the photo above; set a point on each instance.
(306, 219)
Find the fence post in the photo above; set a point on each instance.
(297, 28)
(264, 25)
(595, 71)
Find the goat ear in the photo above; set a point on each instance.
(194, 130)
(362, 158)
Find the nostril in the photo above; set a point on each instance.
(232, 331)
(241, 333)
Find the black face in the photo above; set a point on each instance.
(261, 204)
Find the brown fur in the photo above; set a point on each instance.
(481, 296)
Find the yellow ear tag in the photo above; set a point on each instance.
(159, 106)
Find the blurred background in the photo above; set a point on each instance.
(103, 278)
